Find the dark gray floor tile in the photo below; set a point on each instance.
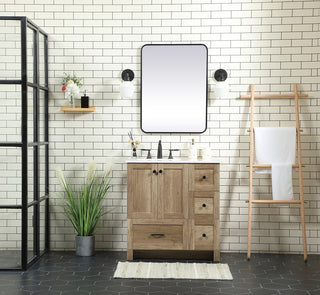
(135, 283)
(60, 273)
(164, 283)
(148, 289)
(294, 292)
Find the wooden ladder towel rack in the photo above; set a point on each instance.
(252, 98)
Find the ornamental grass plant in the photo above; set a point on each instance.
(83, 204)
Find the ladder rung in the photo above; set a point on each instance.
(269, 166)
(248, 96)
(275, 202)
(301, 130)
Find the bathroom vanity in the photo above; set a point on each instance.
(172, 207)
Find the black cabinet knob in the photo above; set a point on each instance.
(155, 172)
(204, 177)
(160, 171)
(204, 205)
(204, 235)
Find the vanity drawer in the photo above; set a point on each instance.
(203, 237)
(204, 177)
(203, 206)
(158, 236)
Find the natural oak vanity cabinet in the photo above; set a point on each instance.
(173, 206)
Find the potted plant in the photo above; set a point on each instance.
(83, 206)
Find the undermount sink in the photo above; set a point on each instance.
(156, 160)
(166, 160)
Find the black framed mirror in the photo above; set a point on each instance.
(174, 83)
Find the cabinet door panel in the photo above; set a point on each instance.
(142, 191)
(172, 189)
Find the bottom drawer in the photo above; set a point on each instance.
(157, 236)
(203, 237)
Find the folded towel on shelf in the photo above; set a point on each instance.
(277, 146)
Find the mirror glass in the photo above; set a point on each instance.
(174, 88)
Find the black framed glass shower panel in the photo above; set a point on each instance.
(33, 208)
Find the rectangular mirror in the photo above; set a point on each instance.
(174, 88)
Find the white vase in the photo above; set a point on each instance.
(72, 102)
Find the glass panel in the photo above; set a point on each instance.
(30, 55)
(31, 93)
(30, 233)
(10, 179)
(42, 78)
(10, 50)
(42, 225)
(41, 121)
(10, 238)
(10, 110)
(42, 171)
(30, 174)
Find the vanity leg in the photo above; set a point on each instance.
(129, 254)
(216, 256)
(129, 240)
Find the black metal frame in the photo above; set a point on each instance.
(206, 114)
(25, 24)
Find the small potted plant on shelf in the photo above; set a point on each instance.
(71, 87)
(83, 206)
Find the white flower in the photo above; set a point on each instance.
(72, 90)
(91, 169)
(61, 176)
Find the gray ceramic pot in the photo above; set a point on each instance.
(85, 246)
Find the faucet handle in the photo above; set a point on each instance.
(170, 152)
(149, 153)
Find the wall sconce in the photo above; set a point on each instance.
(221, 88)
(126, 87)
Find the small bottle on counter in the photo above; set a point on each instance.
(193, 152)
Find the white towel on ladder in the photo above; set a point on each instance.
(277, 146)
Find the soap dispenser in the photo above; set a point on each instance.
(159, 154)
(193, 153)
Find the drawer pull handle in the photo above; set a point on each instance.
(204, 205)
(204, 235)
(155, 172)
(204, 177)
(157, 235)
(160, 171)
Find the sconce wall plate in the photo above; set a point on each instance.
(220, 75)
(127, 75)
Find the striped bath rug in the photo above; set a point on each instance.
(166, 270)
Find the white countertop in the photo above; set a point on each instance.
(177, 160)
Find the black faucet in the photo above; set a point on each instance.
(159, 155)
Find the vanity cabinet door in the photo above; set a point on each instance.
(172, 191)
(142, 191)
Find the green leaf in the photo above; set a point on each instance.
(83, 204)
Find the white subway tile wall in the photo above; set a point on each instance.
(272, 43)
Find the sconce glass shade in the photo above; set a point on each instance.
(221, 89)
(126, 89)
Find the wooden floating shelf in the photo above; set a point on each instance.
(78, 109)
